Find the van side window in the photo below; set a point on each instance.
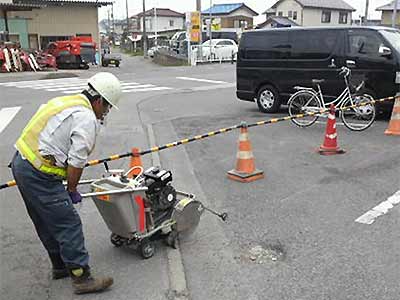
(273, 45)
(319, 47)
(363, 43)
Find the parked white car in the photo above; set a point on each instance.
(219, 49)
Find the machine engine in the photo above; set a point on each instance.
(161, 194)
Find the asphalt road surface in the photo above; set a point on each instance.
(292, 235)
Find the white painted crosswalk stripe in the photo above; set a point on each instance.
(76, 85)
(201, 80)
(6, 116)
(161, 88)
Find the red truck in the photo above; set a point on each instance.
(75, 53)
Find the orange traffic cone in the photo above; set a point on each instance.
(330, 146)
(245, 167)
(394, 124)
(136, 161)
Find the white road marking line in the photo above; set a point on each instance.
(148, 89)
(202, 80)
(72, 87)
(379, 210)
(142, 87)
(40, 82)
(6, 116)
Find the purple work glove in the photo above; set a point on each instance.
(75, 197)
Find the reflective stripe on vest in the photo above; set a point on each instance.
(28, 142)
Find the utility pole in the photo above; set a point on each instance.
(127, 17)
(144, 31)
(108, 23)
(366, 12)
(394, 15)
(198, 8)
(155, 25)
(113, 23)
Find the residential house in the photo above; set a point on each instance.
(276, 22)
(387, 14)
(314, 12)
(161, 20)
(54, 20)
(235, 15)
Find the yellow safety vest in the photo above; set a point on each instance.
(28, 142)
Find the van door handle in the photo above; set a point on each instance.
(350, 63)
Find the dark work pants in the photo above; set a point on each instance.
(48, 204)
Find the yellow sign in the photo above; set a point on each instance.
(195, 26)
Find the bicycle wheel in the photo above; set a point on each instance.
(304, 102)
(358, 118)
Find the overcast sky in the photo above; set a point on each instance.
(135, 6)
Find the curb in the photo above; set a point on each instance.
(177, 279)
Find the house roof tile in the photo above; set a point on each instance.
(226, 9)
(162, 12)
(389, 7)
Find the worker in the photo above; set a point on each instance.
(55, 145)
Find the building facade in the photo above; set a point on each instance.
(228, 16)
(313, 12)
(161, 20)
(387, 14)
(54, 20)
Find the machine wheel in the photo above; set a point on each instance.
(172, 239)
(146, 248)
(104, 64)
(268, 99)
(117, 64)
(116, 240)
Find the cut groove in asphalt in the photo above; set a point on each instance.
(176, 271)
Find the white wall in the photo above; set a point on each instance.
(162, 23)
(241, 12)
(312, 17)
(290, 5)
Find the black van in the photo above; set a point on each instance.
(271, 62)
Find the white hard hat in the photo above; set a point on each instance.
(108, 86)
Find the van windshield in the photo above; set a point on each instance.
(393, 36)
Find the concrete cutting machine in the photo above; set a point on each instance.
(146, 208)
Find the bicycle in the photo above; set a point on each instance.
(307, 100)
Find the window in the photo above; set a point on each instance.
(171, 23)
(280, 13)
(290, 14)
(295, 15)
(326, 16)
(343, 18)
(266, 46)
(319, 47)
(364, 43)
(84, 34)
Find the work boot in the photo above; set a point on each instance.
(83, 282)
(59, 269)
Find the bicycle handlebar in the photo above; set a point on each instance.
(345, 71)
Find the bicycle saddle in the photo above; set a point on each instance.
(316, 81)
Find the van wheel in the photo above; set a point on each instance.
(268, 99)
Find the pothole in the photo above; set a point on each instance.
(264, 253)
